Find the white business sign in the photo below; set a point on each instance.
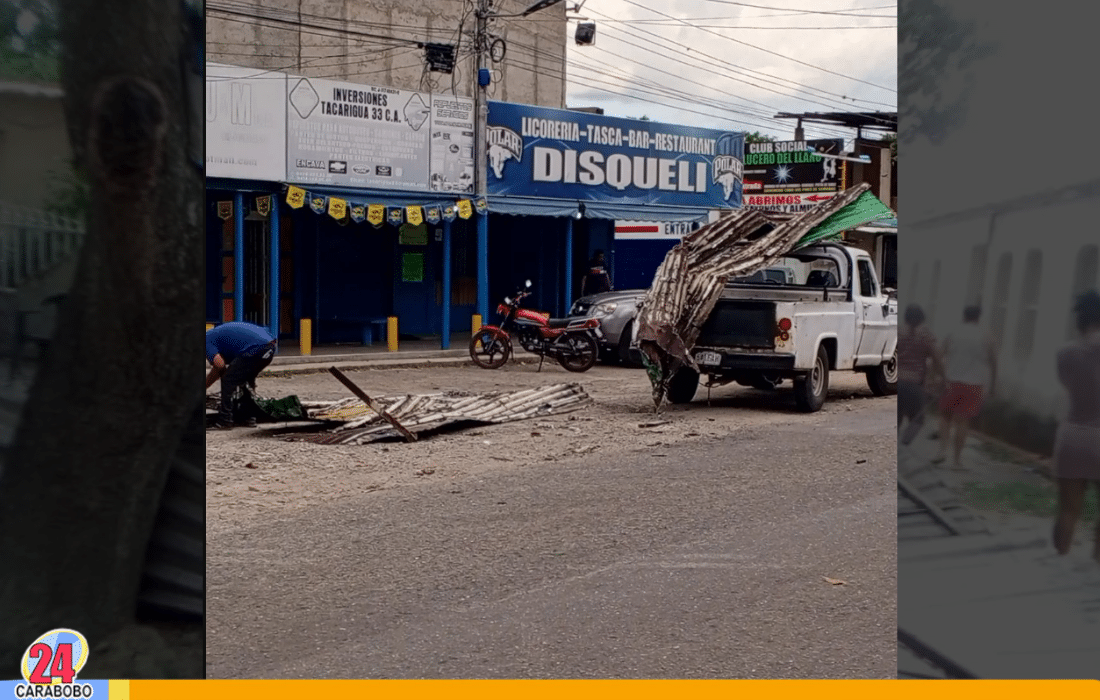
(352, 135)
(245, 123)
(653, 230)
(452, 144)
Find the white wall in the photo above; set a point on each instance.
(1027, 377)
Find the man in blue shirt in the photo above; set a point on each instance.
(237, 353)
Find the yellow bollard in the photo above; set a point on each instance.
(391, 333)
(475, 324)
(209, 326)
(305, 337)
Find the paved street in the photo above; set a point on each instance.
(699, 549)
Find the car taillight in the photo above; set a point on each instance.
(784, 324)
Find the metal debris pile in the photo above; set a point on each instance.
(689, 282)
(421, 413)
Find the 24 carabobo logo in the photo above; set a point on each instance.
(50, 666)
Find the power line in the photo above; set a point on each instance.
(760, 48)
(805, 12)
(715, 61)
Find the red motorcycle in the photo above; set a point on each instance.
(574, 344)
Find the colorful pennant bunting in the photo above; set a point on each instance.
(414, 215)
(337, 208)
(225, 210)
(395, 216)
(432, 215)
(295, 197)
(318, 204)
(465, 208)
(376, 214)
(263, 205)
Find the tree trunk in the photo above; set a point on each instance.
(83, 480)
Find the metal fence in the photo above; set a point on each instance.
(32, 242)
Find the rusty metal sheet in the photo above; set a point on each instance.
(689, 282)
(419, 413)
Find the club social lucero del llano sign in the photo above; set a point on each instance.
(549, 153)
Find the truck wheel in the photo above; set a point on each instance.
(810, 390)
(883, 379)
(683, 385)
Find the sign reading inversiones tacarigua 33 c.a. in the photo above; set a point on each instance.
(351, 135)
(561, 154)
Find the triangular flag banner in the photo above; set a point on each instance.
(414, 215)
(449, 212)
(295, 197)
(263, 205)
(358, 213)
(317, 204)
(337, 208)
(395, 216)
(482, 205)
(465, 208)
(225, 210)
(432, 215)
(376, 214)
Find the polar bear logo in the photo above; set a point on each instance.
(504, 145)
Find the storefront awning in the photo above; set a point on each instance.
(539, 206)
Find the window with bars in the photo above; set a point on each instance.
(1000, 296)
(976, 282)
(1085, 278)
(934, 293)
(1029, 305)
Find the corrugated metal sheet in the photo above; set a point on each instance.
(174, 581)
(428, 412)
(928, 509)
(693, 274)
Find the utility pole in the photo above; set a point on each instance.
(483, 14)
(481, 164)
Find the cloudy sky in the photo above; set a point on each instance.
(731, 64)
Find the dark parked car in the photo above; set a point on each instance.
(615, 310)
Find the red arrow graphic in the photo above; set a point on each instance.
(819, 197)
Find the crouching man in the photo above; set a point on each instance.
(237, 353)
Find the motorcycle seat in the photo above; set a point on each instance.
(558, 322)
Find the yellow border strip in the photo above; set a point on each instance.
(118, 690)
(600, 689)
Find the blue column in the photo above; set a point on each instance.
(568, 263)
(446, 340)
(238, 257)
(483, 266)
(273, 297)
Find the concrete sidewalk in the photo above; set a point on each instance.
(352, 357)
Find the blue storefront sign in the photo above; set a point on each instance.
(559, 154)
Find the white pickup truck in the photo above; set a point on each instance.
(824, 311)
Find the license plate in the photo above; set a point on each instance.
(710, 359)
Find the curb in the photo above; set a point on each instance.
(379, 365)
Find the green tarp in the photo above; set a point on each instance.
(865, 209)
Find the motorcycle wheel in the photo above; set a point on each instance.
(490, 348)
(581, 355)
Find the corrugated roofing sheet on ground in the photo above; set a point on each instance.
(429, 412)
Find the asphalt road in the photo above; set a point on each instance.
(700, 560)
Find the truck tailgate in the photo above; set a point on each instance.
(739, 323)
